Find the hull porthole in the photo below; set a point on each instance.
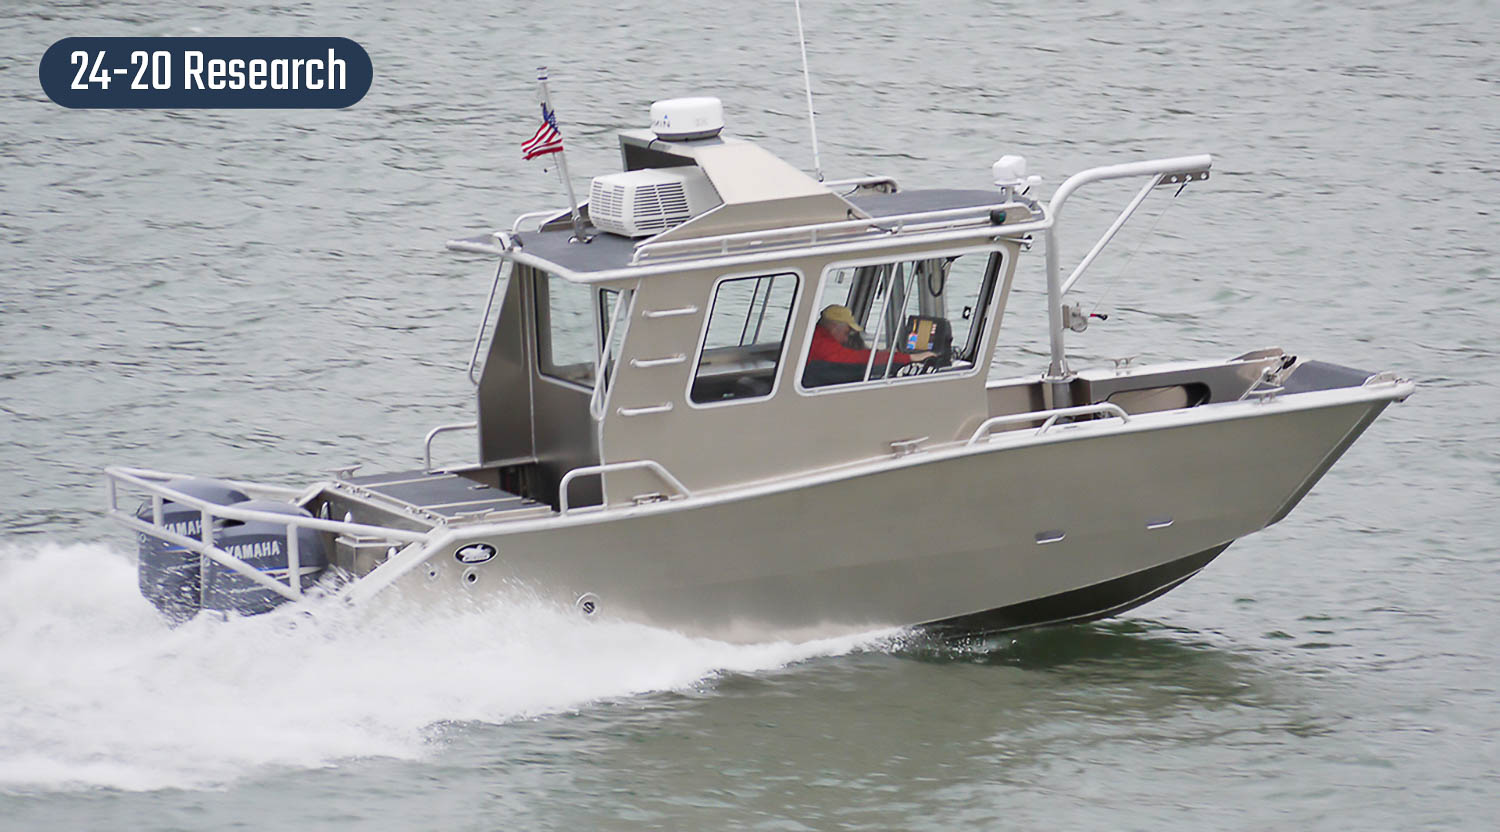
(587, 603)
(471, 577)
(434, 572)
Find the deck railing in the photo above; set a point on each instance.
(843, 230)
(610, 467)
(1048, 417)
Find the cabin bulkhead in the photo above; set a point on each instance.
(711, 366)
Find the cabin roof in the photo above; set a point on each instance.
(610, 252)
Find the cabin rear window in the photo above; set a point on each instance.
(566, 332)
(900, 319)
(742, 346)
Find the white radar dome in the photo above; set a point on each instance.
(1010, 171)
(681, 119)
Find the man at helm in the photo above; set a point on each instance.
(838, 354)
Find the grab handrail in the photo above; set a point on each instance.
(649, 464)
(550, 214)
(1050, 418)
(600, 394)
(484, 321)
(432, 434)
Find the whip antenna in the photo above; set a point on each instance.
(812, 123)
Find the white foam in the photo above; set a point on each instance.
(97, 690)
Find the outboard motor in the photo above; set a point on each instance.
(169, 575)
(262, 545)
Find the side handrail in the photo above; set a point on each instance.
(1049, 418)
(432, 434)
(588, 470)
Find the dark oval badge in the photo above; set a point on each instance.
(475, 553)
(206, 73)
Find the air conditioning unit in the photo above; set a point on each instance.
(640, 203)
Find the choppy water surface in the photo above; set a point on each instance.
(264, 294)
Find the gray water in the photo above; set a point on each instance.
(265, 294)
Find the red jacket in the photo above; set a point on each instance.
(827, 348)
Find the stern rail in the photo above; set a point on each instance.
(153, 483)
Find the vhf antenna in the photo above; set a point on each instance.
(812, 123)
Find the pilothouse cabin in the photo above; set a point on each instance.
(677, 331)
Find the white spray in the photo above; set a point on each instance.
(97, 690)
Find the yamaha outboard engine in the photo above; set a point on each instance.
(180, 583)
(262, 545)
(169, 575)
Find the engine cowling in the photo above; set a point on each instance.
(263, 546)
(180, 584)
(168, 575)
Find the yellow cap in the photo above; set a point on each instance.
(842, 315)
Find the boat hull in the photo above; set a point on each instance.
(1083, 604)
(1081, 523)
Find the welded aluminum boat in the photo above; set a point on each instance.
(658, 440)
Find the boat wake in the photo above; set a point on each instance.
(96, 690)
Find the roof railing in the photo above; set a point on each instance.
(828, 232)
(883, 184)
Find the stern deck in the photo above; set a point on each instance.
(449, 496)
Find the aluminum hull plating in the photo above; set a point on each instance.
(942, 537)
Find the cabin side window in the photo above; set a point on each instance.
(566, 331)
(900, 319)
(742, 345)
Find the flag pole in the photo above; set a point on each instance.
(562, 163)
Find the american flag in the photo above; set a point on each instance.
(547, 139)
